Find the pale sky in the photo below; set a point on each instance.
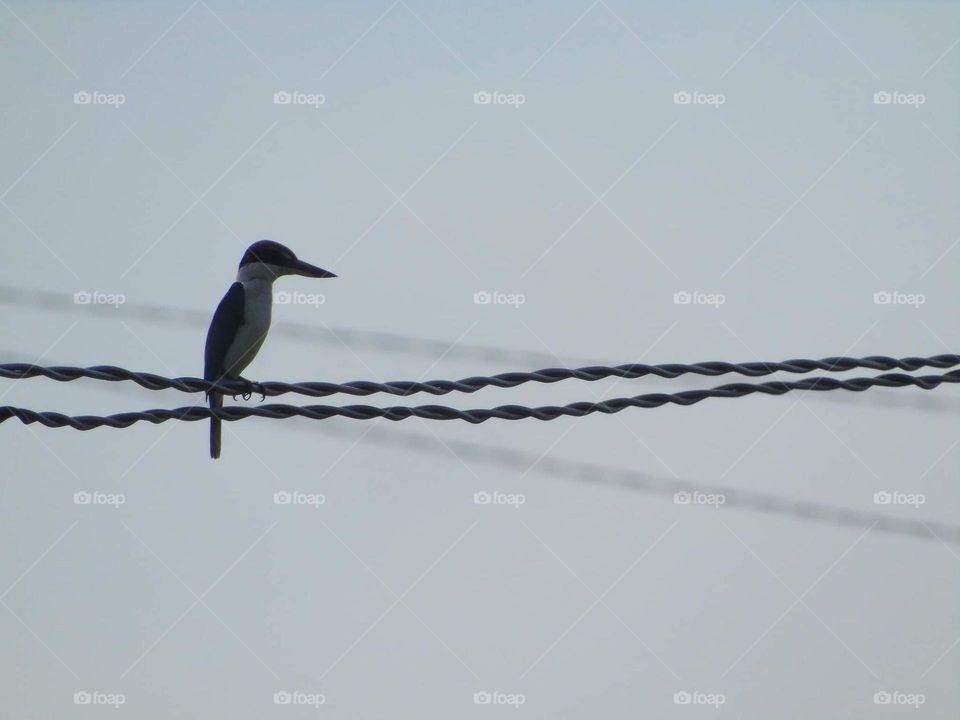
(782, 163)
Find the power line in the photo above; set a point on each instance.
(504, 412)
(923, 402)
(20, 371)
(633, 481)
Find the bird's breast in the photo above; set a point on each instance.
(258, 302)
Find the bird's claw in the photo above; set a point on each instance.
(250, 389)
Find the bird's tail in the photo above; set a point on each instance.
(216, 401)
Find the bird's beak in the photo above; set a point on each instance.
(308, 270)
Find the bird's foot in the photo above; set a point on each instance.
(250, 388)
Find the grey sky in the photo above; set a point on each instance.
(814, 166)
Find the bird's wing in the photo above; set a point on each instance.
(223, 330)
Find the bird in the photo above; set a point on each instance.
(242, 319)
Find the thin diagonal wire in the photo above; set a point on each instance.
(633, 481)
(334, 336)
(504, 412)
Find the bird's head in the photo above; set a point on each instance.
(269, 260)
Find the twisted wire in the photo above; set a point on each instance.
(403, 388)
(503, 412)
